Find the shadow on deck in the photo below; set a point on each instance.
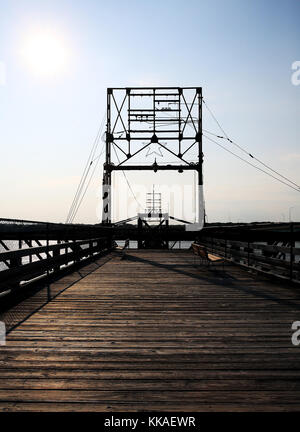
(154, 332)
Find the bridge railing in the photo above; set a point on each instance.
(274, 252)
(23, 265)
(35, 254)
(18, 230)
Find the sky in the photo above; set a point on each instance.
(58, 57)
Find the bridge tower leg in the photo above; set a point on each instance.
(106, 196)
(201, 209)
(106, 184)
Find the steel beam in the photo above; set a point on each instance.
(126, 106)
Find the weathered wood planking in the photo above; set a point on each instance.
(155, 332)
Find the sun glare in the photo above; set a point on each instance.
(45, 52)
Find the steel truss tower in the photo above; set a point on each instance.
(141, 117)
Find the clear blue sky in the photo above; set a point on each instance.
(240, 52)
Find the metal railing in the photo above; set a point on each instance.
(34, 254)
(48, 259)
(279, 258)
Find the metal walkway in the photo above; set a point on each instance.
(155, 332)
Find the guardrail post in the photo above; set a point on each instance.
(76, 249)
(140, 227)
(248, 255)
(29, 242)
(16, 262)
(47, 257)
(56, 253)
(292, 243)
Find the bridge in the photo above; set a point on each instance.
(150, 330)
(95, 326)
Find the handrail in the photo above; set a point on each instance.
(75, 252)
(41, 249)
(27, 273)
(257, 255)
(32, 222)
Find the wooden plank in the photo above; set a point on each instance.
(71, 364)
(188, 374)
(155, 332)
(96, 384)
(161, 406)
(96, 396)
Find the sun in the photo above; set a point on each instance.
(45, 52)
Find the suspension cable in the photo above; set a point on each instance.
(85, 173)
(243, 149)
(97, 159)
(249, 163)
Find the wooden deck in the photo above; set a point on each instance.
(154, 332)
